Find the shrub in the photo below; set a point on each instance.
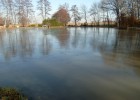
(39, 25)
(32, 25)
(51, 22)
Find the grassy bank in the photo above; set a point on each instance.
(11, 94)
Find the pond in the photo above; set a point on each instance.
(71, 63)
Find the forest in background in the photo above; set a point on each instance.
(119, 13)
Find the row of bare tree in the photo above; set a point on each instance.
(21, 11)
(16, 11)
(123, 9)
(123, 13)
(106, 11)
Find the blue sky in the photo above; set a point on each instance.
(55, 4)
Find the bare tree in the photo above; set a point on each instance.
(65, 6)
(116, 6)
(44, 8)
(84, 11)
(29, 8)
(7, 10)
(75, 14)
(106, 13)
(133, 8)
(24, 10)
(138, 8)
(95, 13)
(1, 21)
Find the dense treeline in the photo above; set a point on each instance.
(127, 12)
(122, 13)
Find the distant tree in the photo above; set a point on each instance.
(106, 13)
(62, 15)
(131, 8)
(123, 21)
(29, 8)
(75, 14)
(24, 11)
(44, 8)
(116, 6)
(7, 9)
(133, 12)
(138, 8)
(65, 6)
(95, 13)
(1, 21)
(84, 12)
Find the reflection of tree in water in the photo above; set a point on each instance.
(76, 37)
(46, 45)
(62, 36)
(14, 42)
(128, 42)
(124, 50)
(84, 39)
(26, 42)
(102, 38)
(8, 43)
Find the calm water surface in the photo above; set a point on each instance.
(71, 64)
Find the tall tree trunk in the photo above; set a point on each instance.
(75, 22)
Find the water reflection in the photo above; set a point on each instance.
(16, 44)
(46, 45)
(63, 37)
(125, 48)
(71, 63)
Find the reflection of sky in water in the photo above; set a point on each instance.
(71, 64)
